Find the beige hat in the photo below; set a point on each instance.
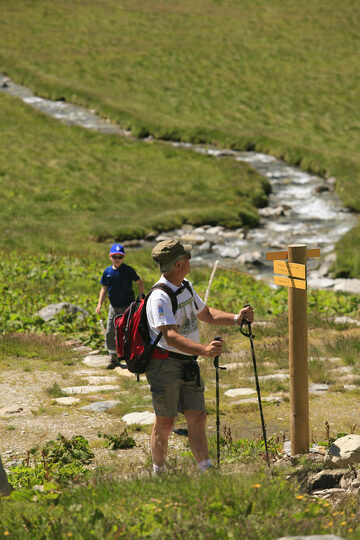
(168, 251)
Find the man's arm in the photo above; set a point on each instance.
(221, 318)
(102, 295)
(186, 345)
(140, 286)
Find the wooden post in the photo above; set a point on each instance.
(298, 360)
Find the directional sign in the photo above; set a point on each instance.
(290, 282)
(290, 269)
(276, 255)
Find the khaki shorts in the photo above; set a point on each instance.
(170, 394)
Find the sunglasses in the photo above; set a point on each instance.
(117, 257)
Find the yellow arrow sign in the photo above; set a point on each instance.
(290, 282)
(290, 269)
(276, 255)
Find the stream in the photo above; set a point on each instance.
(303, 208)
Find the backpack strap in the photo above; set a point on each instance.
(168, 290)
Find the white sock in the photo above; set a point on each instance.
(204, 465)
(158, 469)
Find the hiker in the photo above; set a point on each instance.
(117, 281)
(175, 381)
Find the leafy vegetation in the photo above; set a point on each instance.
(58, 463)
(115, 442)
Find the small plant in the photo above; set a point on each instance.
(116, 442)
(55, 391)
(58, 463)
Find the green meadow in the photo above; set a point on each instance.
(280, 78)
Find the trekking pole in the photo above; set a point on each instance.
(217, 367)
(250, 335)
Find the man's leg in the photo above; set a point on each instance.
(159, 439)
(196, 421)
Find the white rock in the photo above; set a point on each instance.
(97, 361)
(101, 380)
(89, 389)
(143, 418)
(274, 376)
(68, 400)
(100, 406)
(344, 451)
(234, 392)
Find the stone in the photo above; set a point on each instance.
(143, 418)
(326, 263)
(100, 406)
(67, 400)
(193, 239)
(344, 452)
(322, 188)
(269, 399)
(346, 320)
(321, 282)
(49, 312)
(326, 479)
(101, 380)
(97, 361)
(347, 285)
(205, 247)
(215, 230)
(253, 257)
(90, 389)
(230, 252)
(318, 388)
(234, 365)
(235, 392)
(11, 410)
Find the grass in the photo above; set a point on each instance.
(85, 187)
(257, 76)
(260, 505)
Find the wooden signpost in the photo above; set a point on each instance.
(294, 276)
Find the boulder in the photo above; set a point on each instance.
(343, 452)
(49, 312)
(100, 406)
(144, 418)
(254, 257)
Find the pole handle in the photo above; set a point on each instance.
(216, 359)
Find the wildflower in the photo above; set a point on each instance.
(330, 524)
(255, 486)
(343, 523)
(299, 497)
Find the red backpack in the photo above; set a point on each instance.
(132, 331)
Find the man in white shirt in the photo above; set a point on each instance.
(175, 382)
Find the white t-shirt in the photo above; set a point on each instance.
(159, 313)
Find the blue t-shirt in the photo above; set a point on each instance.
(119, 284)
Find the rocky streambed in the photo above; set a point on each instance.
(303, 208)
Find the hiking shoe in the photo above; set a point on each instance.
(114, 362)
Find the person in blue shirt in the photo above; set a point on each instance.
(117, 281)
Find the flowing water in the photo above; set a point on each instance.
(303, 208)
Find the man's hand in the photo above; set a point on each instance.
(213, 349)
(246, 314)
(98, 309)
